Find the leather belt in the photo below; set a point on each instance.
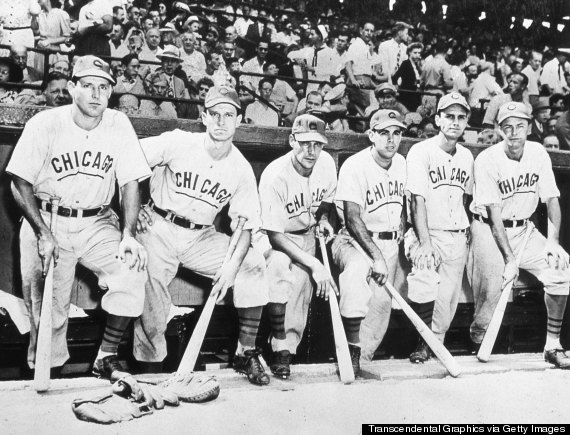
(508, 223)
(72, 212)
(385, 235)
(17, 28)
(300, 232)
(177, 220)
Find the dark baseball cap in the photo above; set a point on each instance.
(222, 94)
(308, 128)
(92, 66)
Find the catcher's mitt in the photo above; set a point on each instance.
(107, 409)
(192, 387)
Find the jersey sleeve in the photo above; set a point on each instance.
(156, 149)
(547, 183)
(471, 181)
(245, 201)
(487, 191)
(31, 151)
(417, 164)
(131, 161)
(330, 169)
(351, 184)
(273, 217)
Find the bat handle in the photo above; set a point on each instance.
(324, 250)
(54, 201)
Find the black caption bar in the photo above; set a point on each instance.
(523, 429)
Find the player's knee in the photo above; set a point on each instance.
(423, 285)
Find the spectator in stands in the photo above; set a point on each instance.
(118, 14)
(437, 71)
(95, 23)
(55, 90)
(17, 18)
(427, 128)
(314, 105)
(515, 91)
(259, 112)
(359, 68)
(116, 41)
(484, 87)
(61, 66)
(152, 48)
(488, 137)
(167, 35)
(562, 130)
(54, 28)
(216, 69)
(341, 49)
(146, 24)
(194, 111)
(129, 104)
(135, 43)
(193, 24)
(556, 101)
(212, 39)
(19, 55)
(533, 71)
(386, 99)
(553, 72)
(394, 51)
(408, 77)
(540, 117)
(255, 65)
(9, 72)
(158, 87)
(155, 16)
(243, 22)
(133, 17)
(283, 95)
(230, 50)
(131, 81)
(169, 70)
(259, 30)
(285, 37)
(551, 142)
(193, 61)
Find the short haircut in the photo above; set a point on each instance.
(205, 81)
(524, 77)
(129, 58)
(414, 46)
(52, 77)
(315, 93)
(265, 80)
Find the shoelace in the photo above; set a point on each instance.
(115, 365)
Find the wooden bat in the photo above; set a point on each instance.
(435, 345)
(341, 344)
(495, 324)
(192, 351)
(43, 347)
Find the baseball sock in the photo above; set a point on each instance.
(352, 329)
(114, 330)
(248, 325)
(277, 322)
(555, 306)
(424, 310)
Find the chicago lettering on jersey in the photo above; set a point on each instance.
(510, 185)
(201, 185)
(298, 202)
(440, 176)
(384, 190)
(71, 163)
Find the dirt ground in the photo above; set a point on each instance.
(311, 404)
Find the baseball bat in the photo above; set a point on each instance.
(435, 345)
(43, 348)
(495, 323)
(192, 351)
(341, 344)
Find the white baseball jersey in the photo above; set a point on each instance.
(61, 159)
(441, 179)
(515, 186)
(187, 181)
(378, 191)
(289, 201)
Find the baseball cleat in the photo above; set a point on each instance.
(281, 364)
(421, 354)
(557, 357)
(249, 365)
(355, 358)
(110, 368)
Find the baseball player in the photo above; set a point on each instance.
(296, 193)
(369, 199)
(440, 181)
(510, 178)
(77, 153)
(194, 176)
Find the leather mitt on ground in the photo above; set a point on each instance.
(192, 387)
(108, 408)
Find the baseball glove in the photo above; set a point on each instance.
(192, 387)
(149, 395)
(107, 409)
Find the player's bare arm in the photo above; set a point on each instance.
(226, 276)
(358, 230)
(47, 245)
(323, 224)
(131, 251)
(499, 234)
(556, 257)
(320, 274)
(425, 256)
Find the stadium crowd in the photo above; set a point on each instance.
(283, 61)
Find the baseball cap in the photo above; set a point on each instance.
(309, 128)
(170, 52)
(385, 88)
(451, 99)
(168, 27)
(513, 109)
(92, 66)
(385, 118)
(222, 94)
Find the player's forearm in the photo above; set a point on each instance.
(23, 193)
(499, 233)
(280, 242)
(131, 202)
(419, 219)
(554, 219)
(357, 229)
(242, 247)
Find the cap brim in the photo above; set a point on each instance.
(95, 73)
(386, 124)
(311, 136)
(162, 56)
(217, 101)
(455, 103)
(520, 115)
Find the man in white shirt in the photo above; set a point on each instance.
(359, 67)
(553, 72)
(193, 62)
(260, 113)
(255, 65)
(393, 51)
(533, 71)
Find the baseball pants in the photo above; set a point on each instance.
(202, 251)
(360, 295)
(94, 243)
(290, 283)
(444, 285)
(485, 267)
